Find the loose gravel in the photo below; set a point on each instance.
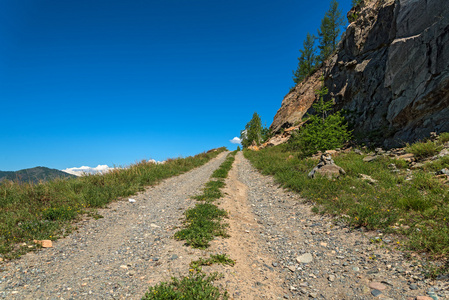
(319, 258)
(118, 256)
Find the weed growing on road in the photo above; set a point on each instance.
(212, 191)
(197, 286)
(222, 259)
(203, 221)
(46, 210)
(414, 205)
(223, 170)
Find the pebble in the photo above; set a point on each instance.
(377, 286)
(305, 258)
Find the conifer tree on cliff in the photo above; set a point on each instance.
(330, 31)
(252, 132)
(307, 60)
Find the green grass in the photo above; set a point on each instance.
(222, 171)
(443, 137)
(425, 149)
(437, 165)
(212, 191)
(47, 210)
(202, 224)
(203, 221)
(222, 259)
(428, 148)
(418, 208)
(196, 286)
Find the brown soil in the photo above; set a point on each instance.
(252, 277)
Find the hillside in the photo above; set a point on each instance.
(34, 175)
(390, 73)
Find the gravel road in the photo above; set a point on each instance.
(319, 258)
(118, 256)
(282, 249)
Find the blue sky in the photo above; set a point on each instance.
(88, 82)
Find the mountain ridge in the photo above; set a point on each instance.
(34, 175)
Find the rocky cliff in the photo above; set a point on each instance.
(390, 73)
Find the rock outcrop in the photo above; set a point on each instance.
(326, 168)
(390, 73)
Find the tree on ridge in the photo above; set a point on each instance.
(329, 31)
(307, 60)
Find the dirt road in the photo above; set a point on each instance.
(282, 249)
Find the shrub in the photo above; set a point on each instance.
(444, 137)
(323, 131)
(423, 149)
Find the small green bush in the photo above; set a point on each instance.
(323, 131)
(423, 149)
(196, 286)
(444, 137)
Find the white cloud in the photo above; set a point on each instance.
(156, 162)
(236, 140)
(88, 170)
(100, 169)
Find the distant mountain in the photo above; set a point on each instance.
(34, 175)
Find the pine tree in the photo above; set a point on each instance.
(252, 132)
(307, 60)
(330, 31)
(356, 2)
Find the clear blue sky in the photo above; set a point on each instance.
(88, 82)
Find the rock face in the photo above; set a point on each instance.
(390, 73)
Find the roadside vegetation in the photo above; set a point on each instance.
(195, 286)
(412, 203)
(46, 211)
(203, 223)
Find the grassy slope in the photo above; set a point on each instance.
(47, 210)
(418, 208)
